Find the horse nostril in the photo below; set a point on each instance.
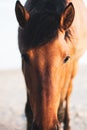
(56, 127)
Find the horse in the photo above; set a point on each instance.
(51, 39)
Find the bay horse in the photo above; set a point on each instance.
(51, 39)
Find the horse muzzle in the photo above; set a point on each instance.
(36, 127)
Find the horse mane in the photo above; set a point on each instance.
(43, 24)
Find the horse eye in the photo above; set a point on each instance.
(26, 58)
(66, 59)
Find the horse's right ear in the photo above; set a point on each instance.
(21, 14)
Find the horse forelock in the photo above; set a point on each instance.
(43, 25)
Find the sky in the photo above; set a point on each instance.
(9, 52)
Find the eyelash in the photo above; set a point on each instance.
(66, 59)
(26, 58)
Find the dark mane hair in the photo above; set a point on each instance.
(43, 24)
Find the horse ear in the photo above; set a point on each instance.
(67, 17)
(21, 14)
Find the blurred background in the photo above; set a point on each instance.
(9, 53)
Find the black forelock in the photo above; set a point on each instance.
(43, 24)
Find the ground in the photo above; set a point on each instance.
(13, 99)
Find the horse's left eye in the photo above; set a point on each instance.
(66, 59)
(26, 58)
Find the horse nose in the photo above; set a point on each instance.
(34, 126)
